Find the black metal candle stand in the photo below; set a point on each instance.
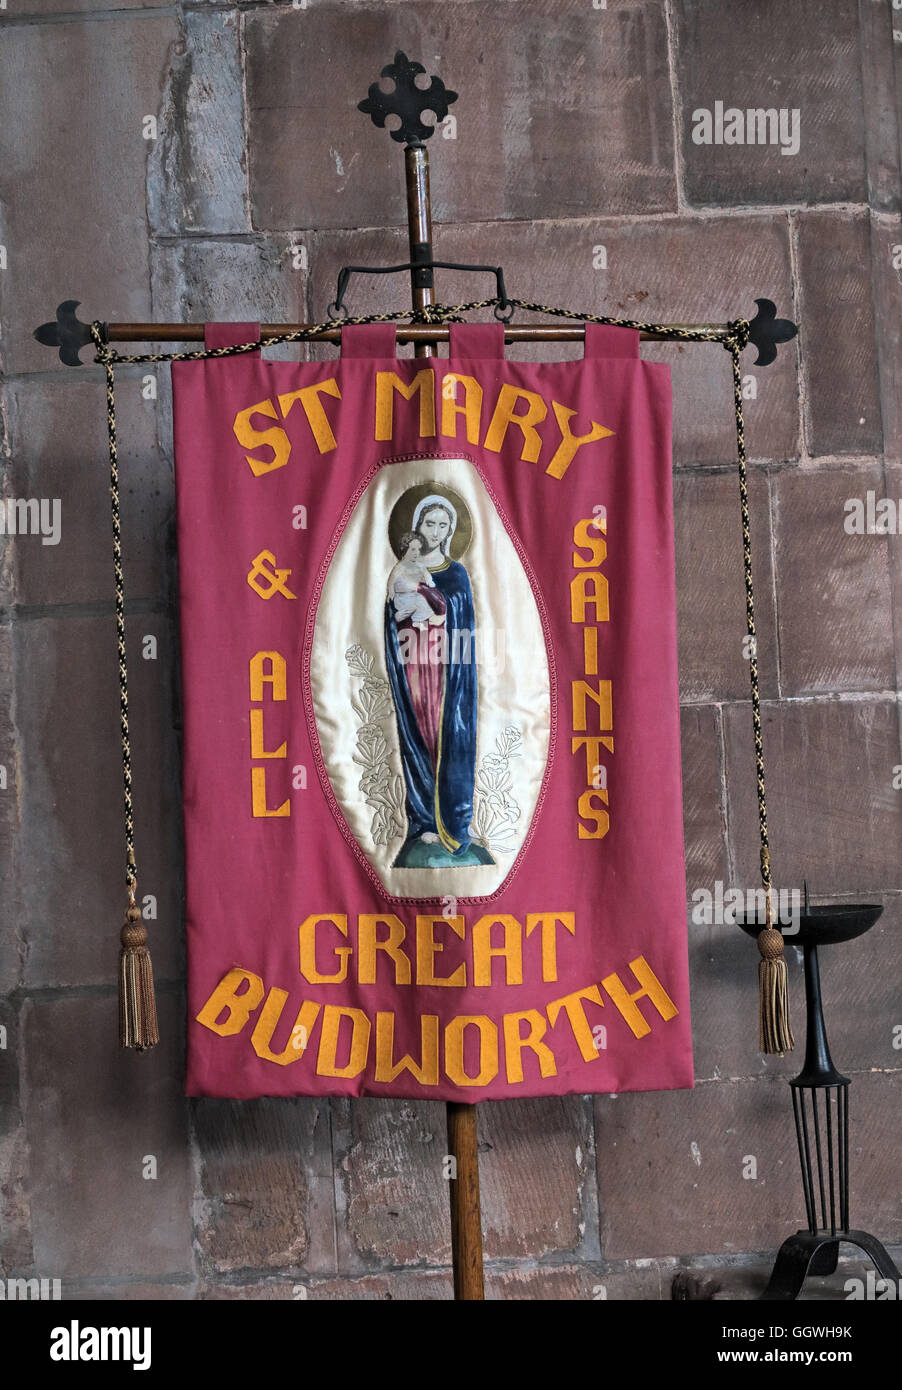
(820, 1104)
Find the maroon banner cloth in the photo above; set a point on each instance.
(431, 779)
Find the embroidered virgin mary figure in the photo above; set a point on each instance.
(430, 634)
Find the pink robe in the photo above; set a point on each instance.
(426, 673)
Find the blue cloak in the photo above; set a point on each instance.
(440, 802)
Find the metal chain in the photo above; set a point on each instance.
(734, 336)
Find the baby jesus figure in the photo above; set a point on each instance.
(405, 579)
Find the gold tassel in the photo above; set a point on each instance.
(137, 1006)
(775, 1027)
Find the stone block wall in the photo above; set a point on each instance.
(206, 160)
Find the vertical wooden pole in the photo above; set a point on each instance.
(466, 1218)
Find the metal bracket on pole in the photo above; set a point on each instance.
(421, 267)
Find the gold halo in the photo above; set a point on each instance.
(401, 518)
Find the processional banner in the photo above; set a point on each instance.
(431, 777)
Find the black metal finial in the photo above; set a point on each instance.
(407, 101)
(66, 332)
(766, 330)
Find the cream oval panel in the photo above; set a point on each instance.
(429, 683)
